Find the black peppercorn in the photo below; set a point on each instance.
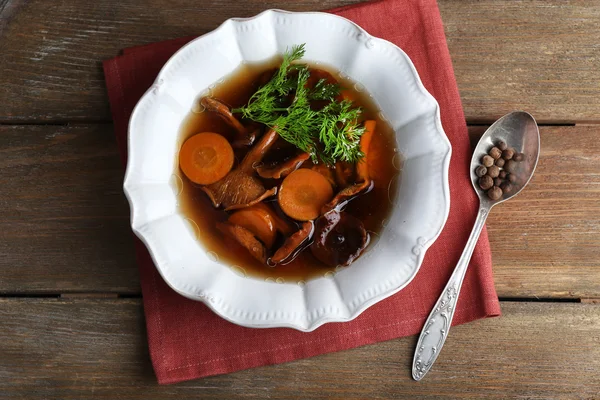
(500, 162)
(510, 166)
(502, 145)
(508, 153)
(494, 193)
(512, 178)
(502, 174)
(480, 171)
(486, 182)
(487, 161)
(519, 157)
(506, 187)
(495, 153)
(493, 171)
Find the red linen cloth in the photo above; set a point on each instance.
(188, 341)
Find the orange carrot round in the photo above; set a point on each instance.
(362, 169)
(258, 221)
(303, 193)
(347, 95)
(206, 158)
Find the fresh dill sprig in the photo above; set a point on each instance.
(324, 91)
(340, 133)
(329, 134)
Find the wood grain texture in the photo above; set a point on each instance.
(51, 55)
(64, 223)
(73, 349)
(541, 55)
(545, 241)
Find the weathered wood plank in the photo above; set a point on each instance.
(51, 56)
(541, 55)
(64, 220)
(72, 349)
(545, 241)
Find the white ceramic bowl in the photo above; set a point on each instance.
(422, 198)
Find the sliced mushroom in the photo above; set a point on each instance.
(221, 109)
(236, 188)
(347, 194)
(258, 151)
(239, 188)
(245, 238)
(339, 239)
(326, 172)
(246, 140)
(344, 174)
(282, 225)
(293, 244)
(282, 170)
(265, 195)
(364, 184)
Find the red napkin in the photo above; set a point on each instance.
(188, 341)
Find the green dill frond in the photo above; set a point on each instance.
(325, 91)
(329, 134)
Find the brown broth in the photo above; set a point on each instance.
(372, 208)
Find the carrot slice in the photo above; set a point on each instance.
(281, 225)
(206, 158)
(347, 95)
(258, 221)
(362, 168)
(303, 193)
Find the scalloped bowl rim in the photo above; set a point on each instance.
(317, 322)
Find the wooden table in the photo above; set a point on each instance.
(71, 318)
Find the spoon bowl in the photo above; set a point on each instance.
(518, 130)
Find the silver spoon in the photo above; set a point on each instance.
(519, 131)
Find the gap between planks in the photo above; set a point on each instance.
(55, 123)
(73, 295)
(117, 296)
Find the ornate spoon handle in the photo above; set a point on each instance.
(437, 325)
